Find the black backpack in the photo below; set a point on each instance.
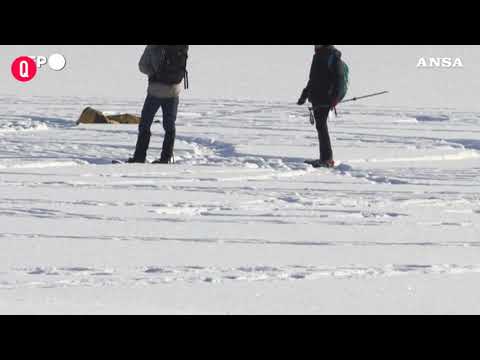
(173, 66)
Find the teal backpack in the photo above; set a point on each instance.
(344, 81)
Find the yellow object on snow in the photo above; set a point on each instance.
(92, 116)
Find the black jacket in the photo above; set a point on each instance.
(323, 85)
(166, 64)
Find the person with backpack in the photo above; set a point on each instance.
(166, 68)
(324, 91)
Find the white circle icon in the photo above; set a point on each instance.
(57, 62)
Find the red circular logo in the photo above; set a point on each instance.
(24, 69)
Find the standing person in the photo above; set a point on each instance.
(323, 92)
(166, 68)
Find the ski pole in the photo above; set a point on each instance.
(312, 109)
(365, 97)
(353, 99)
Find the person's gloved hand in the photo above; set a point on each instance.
(303, 98)
(335, 102)
(301, 101)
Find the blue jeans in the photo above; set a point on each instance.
(170, 109)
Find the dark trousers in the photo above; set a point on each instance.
(321, 121)
(169, 108)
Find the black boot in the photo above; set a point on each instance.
(135, 161)
(329, 164)
(161, 161)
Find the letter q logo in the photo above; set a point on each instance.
(24, 69)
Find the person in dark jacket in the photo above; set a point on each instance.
(323, 92)
(159, 95)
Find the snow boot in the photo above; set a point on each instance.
(329, 164)
(161, 161)
(135, 161)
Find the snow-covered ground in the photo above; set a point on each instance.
(239, 224)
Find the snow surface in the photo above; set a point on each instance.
(239, 224)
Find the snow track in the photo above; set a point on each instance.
(66, 277)
(240, 206)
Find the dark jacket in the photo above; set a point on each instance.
(323, 85)
(149, 64)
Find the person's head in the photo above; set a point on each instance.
(320, 47)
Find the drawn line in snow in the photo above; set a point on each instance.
(249, 241)
(156, 275)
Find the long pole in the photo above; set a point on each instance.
(312, 109)
(365, 97)
(353, 99)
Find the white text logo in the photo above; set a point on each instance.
(56, 62)
(439, 62)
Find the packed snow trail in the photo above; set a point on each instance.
(240, 214)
